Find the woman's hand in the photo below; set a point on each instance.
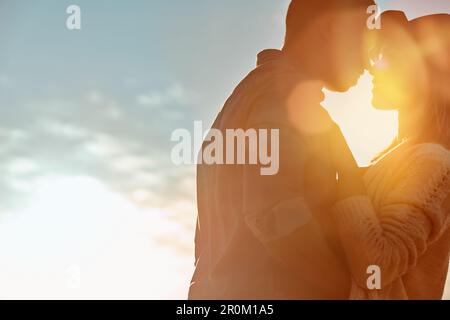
(350, 182)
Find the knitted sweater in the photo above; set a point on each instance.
(401, 226)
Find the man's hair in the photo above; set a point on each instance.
(302, 12)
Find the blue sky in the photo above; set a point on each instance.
(151, 66)
(90, 112)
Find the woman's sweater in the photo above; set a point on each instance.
(401, 226)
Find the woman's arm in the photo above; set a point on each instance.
(411, 217)
(393, 241)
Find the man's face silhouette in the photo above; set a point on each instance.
(346, 45)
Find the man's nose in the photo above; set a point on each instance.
(367, 64)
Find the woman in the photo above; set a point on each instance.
(396, 216)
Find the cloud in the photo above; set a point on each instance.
(22, 166)
(77, 230)
(95, 97)
(133, 208)
(174, 95)
(65, 130)
(103, 146)
(77, 136)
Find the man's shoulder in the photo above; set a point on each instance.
(279, 95)
(259, 95)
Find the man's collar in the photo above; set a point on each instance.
(267, 56)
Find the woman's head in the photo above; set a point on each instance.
(411, 70)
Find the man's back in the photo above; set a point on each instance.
(239, 208)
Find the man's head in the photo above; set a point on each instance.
(328, 37)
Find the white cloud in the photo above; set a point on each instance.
(66, 130)
(77, 222)
(95, 97)
(103, 145)
(130, 163)
(12, 138)
(153, 99)
(22, 166)
(174, 95)
(102, 104)
(108, 223)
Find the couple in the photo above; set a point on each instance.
(313, 230)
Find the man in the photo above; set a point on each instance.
(272, 237)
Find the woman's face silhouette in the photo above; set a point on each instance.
(399, 73)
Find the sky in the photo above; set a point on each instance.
(91, 205)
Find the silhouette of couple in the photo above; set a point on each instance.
(321, 226)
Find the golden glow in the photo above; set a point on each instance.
(367, 130)
(400, 72)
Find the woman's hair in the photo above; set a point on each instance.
(433, 37)
(436, 124)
